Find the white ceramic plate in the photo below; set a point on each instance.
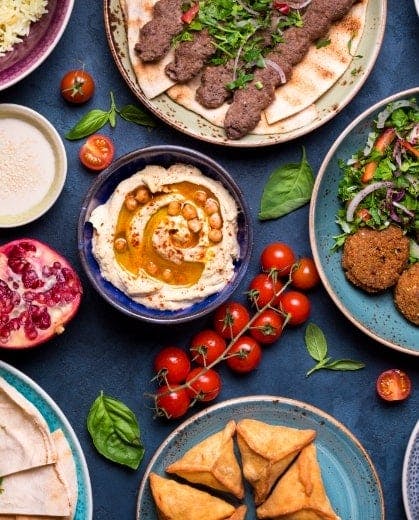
(410, 476)
(46, 134)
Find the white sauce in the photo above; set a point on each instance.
(27, 166)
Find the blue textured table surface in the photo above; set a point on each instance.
(104, 350)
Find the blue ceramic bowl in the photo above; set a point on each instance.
(375, 315)
(104, 186)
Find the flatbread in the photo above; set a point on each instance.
(293, 106)
(212, 463)
(56, 479)
(25, 439)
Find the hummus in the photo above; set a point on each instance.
(167, 238)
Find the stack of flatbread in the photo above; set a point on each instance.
(37, 472)
(294, 104)
(280, 464)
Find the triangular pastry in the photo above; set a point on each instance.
(300, 493)
(213, 463)
(266, 451)
(175, 501)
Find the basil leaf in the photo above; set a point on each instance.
(115, 432)
(88, 124)
(344, 364)
(315, 342)
(288, 188)
(134, 114)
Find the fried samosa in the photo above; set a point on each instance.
(266, 452)
(300, 493)
(175, 501)
(213, 463)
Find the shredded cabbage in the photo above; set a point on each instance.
(16, 17)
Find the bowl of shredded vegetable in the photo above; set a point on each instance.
(368, 184)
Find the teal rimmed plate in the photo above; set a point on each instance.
(190, 123)
(374, 314)
(350, 479)
(55, 419)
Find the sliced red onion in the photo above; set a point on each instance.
(413, 136)
(385, 114)
(403, 208)
(350, 211)
(299, 4)
(278, 69)
(397, 153)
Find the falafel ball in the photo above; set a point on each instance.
(406, 293)
(374, 259)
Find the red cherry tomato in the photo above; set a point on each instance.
(172, 403)
(282, 7)
(190, 14)
(296, 305)
(305, 275)
(204, 385)
(207, 346)
(230, 318)
(77, 86)
(278, 256)
(263, 288)
(394, 385)
(244, 355)
(97, 152)
(172, 365)
(267, 327)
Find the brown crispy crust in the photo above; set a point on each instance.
(406, 294)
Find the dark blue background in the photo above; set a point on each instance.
(104, 350)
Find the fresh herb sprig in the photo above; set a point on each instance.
(288, 188)
(97, 118)
(115, 432)
(316, 344)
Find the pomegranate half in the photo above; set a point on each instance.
(39, 293)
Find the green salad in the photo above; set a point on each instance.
(380, 183)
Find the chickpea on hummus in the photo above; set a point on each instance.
(167, 238)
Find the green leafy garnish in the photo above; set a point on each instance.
(96, 119)
(115, 432)
(317, 348)
(323, 42)
(288, 188)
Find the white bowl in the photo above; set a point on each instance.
(33, 165)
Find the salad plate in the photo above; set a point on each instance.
(55, 419)
(410, 476)
(374, 314)
(35, 48)
(327, 106)
(350, 479)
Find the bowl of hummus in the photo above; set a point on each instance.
(165, 234)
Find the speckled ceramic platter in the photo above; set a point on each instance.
(410, 476)
(55, 419)
(375, 315)
(196, 126)
(37, 45)
(349, 476)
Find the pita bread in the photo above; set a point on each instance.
(300, 493)
(267, 451)
(25, 439)
(293, 106)
(175, 501)
(212, 463)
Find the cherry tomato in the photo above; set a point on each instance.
(190, 14)
(77, 86)
(172, 403)
(172, 365)
(207, 346)
(296, 305)
(393, 385)
(277, 256)
(263, 288)
(305, 275)
(97, 152)
(267, 327)
(230, 318)
(282, 7)
(204, 385)
(244, 355)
